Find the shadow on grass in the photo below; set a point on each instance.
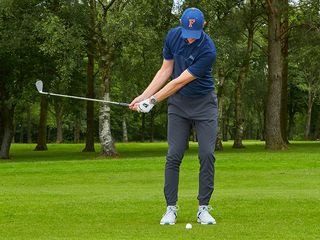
(73, 152)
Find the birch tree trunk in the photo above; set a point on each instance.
(105, 53)
(124, 129)
(274, 139)
(106, 141)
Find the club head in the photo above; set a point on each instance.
(39, 85)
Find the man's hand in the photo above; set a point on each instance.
(135, 102)
(145, 106)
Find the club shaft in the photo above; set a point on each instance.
(84, 98)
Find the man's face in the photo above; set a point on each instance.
(191, 40)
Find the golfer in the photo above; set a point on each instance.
(189, 54)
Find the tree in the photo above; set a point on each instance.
(18, 46)
(250, 17)
(274, 138)
(285, 68)
(91, 51)
(62, 43)
(306, 37)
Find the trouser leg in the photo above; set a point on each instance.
(206, 134)
(178, 134)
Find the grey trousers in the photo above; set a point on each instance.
(182, 112)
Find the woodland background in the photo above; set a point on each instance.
(267, 74)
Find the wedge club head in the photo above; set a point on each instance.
(39, 85)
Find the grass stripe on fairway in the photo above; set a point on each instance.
(66, 194)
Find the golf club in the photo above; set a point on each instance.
(39, 85)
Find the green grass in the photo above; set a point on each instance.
(66, 194)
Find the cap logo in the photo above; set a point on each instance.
(191, 22)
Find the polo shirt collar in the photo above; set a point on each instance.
(196, 42)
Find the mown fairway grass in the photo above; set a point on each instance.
(65, 194)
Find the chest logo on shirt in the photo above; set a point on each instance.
(191, 22)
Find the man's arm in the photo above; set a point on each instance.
(169, 89)
(174, 86)
(158, 81)
(160, 78)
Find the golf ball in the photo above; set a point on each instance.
(188, 226)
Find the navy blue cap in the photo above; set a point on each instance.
(192, 21)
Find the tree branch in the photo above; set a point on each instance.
(103, 6)
(109, 5)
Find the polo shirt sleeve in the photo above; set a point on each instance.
(167, 53)
(202, 65)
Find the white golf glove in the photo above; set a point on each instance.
(145, 106)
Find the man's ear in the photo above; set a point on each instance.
(204, 24)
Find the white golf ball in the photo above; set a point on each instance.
(188, 226)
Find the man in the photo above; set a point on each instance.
(189, 54)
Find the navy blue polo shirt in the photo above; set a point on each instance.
(197, 57)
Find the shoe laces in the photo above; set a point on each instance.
(171, 209)
(206, 208)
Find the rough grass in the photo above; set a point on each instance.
(66, 194)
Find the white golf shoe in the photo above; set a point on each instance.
(204, 217)
(170, 216)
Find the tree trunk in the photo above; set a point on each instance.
(107, 144)
(274, 139)
(106, 55)
(284, 92)
(239, 118)
(308, 122)
(90, 83)
(42, 129)
(58, 114)
(90, 106)
(7, 125)
(124, 129)
(317, 132)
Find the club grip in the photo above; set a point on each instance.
(124, 104)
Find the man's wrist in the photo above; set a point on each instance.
(153, 100)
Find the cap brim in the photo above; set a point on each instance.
(191, 33)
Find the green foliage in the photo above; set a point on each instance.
(49, 40)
